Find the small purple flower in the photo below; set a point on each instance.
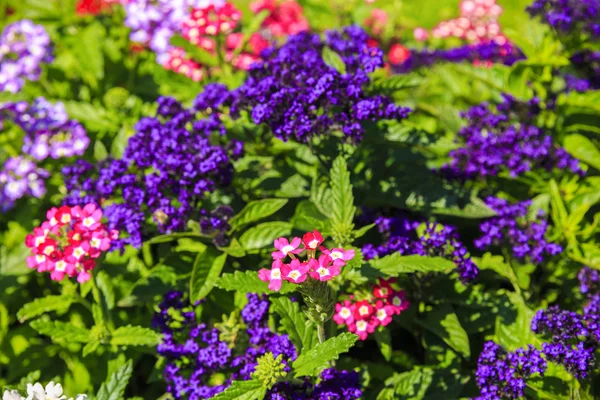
(569, 17)
(24, 47)
(20, 177)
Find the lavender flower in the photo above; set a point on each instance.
(298, 96)
(401, 235)
(589, 280)
(489, 52)
(526, 238)
(168, 168)
(587, 65)
(20, 177)
(48, 131)
(570, 17)
(505, 140)
(24, 46)
(573, 338)
(503, 375)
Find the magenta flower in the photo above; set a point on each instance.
(383, 313)
(338, 253)
(273, 275)
(344, 313)
(90, 215)
(295, 272)
(324, 270)
(286, 247)
(312, 240)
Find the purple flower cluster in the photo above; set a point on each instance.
(503, 375)
(589, 286)
(587, 65)
(24, 46)
(488, 52)
(169, 166)
(153, 22)
(504, 139)
(526, 238)
(573, 338)
(215, 223)
(194, 352)
(572, 17)
(298, 95)
(334, 385)
(20, 177)
(48, 130)
(402, 235)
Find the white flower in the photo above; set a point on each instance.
(11, 395)
(53, 391)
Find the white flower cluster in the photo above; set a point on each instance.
(52, 391)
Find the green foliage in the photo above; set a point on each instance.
(302, 331)
(43, 305)
(264, 234)
(58, 330)
(243, 390)
(248, 282)
(312, 362)
(342, 201)
(257, 210)
(334, 60)
(134, 336)
(114, 387)
(205, 273)
(396, 264)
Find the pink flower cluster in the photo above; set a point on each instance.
(69, 242)
(326, 267)
(363, 317)
(285, 17)
(210, 20)
(477, 23)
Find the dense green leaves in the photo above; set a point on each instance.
(583, 149)
(243, 390)
(205, 272)
(444, 323)
(257, 210)
(264, 234)
(114, 387)
(59, 330)
(43, 305)
(135, 336)
(310, 363)
(396, 264)
(248, 282)
(342, 201)
(302, 331)
(334, 60)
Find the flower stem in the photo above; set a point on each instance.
(321, 332)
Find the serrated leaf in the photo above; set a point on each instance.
(445, 324)
(333, 59)
(397, 82)
(243, 390)
(90, 347)
(407, 385)
(205, 272)
(302, 331)
(342, 199)
(43, 305)
(131, 335)
(264, 234)
(362, 231)
(114, 387)
(61, 330)
(396, 264)
(234, 249)
(312, 362)
(583, 149)
(513, 324)
(248, 282)
(559, 210)
(320, 195)
(307, 217)
(256, 210)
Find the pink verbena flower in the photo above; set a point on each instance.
(363, 310)
(383, 313)
(312, 240)
(68, 242)
(273, 275)
(338, 253)
(295, 272)
(344, 313)
(286, 248)
(362, 328)
(399, 302)
(325, 268)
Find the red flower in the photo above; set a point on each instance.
(363, 310)
(312, 240)
(285, 18)
(398, 54)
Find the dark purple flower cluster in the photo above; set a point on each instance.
(48, 129)
(195, 354)
(573, 338)
(24, 46)
(216, 224)
(503, 375)
(526, 238)
(587, 65)
(505, 139)
(169, 166)
(480, 53)
(589, 286)
(401, 235)
(20, 177)
(298, 95)
(334, 385)
(572, 17)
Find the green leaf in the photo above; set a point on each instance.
(407, 385)
(205, 272)
(90, 58)
(100, 152)
(243, 390)
(312, 362)
(264, 234)
(342, 200)
(320, 195)
(559, 211)
(195, 52)
(583, 149)
(445, 324)
(396, 264)
(384, 341)
(334, 60)
(114, 387)
(104, 282)
(513, 324)
(91, 116)
(248, 282)
(308, 218)
(135, 336)
(256, 210)
(58, 330)
(43, 305)
(302, 331)
(396, 82)
(234, 249)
